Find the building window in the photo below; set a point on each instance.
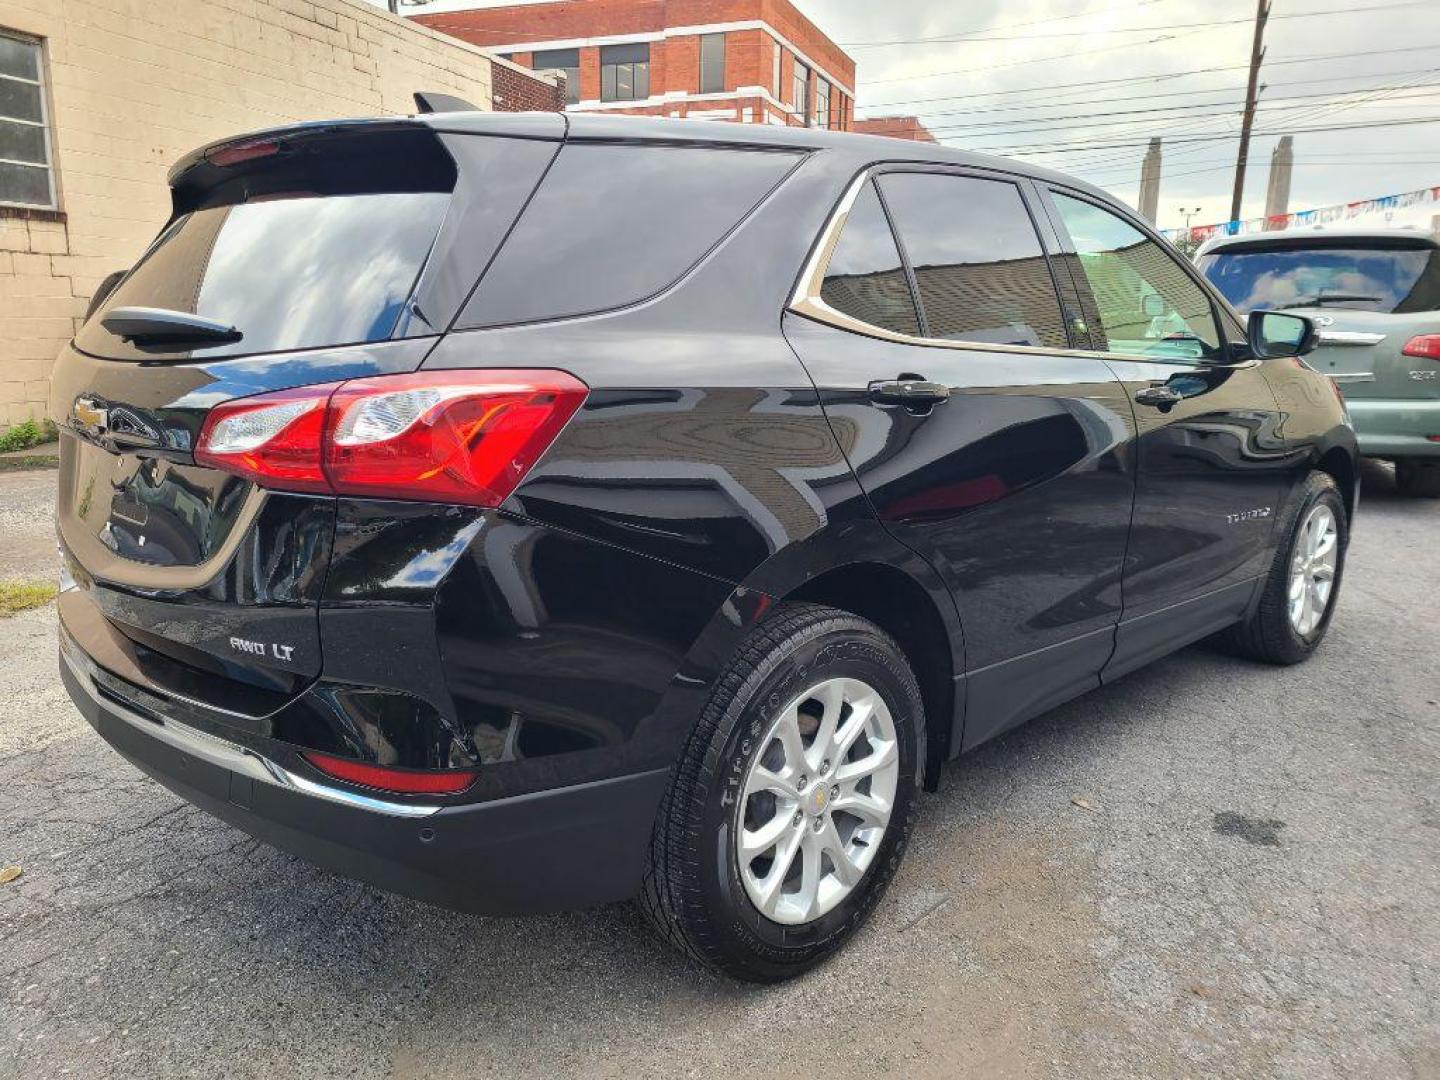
(625, 72)
(801, 92)
(566, 60)
(822, 103)
(26, 174)
(775, 74)
(712, 63)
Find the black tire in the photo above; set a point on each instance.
(1418, 477)
(693, 892)
(1267, 634)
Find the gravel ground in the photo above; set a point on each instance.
(1210, 868)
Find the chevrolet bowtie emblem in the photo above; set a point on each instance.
(90, 415)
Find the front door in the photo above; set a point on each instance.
(1210, 463)
(984, 442)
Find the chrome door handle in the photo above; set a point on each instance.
(908, 392)
(1162, 397)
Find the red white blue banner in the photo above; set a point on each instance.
(1304, 218)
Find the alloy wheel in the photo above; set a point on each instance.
(1312, 569)
(817, 800)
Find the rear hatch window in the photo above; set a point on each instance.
(1391, 278)
(300, 249)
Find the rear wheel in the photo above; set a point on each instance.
(1418, 477)
(1304, 580)
(793, 800)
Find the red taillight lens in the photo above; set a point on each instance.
(445, 436)
(452, 436)
(1426, 346)
(401, 781)
(273, 439)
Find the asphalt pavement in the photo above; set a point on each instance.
(1211, 868)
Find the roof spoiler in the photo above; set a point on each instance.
(428, 101)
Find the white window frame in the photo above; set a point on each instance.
(44, 124)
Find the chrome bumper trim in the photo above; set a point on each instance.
(227, 755)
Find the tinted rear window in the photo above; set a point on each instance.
(291, 273)
(865, 277)
(613, 225)
(1356, 277)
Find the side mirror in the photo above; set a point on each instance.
(1279, 333)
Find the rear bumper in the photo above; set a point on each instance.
(559, 849)
(1390, 428)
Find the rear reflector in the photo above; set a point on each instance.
(439, 436)
(400, 781)
(1426, 346)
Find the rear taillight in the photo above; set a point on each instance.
(400, 781)
(1426, 347)
(443, 436)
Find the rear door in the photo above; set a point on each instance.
(984, 442)
(1210, 462)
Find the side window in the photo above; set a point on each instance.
(665, 207)
(865, 278)
(978, 262)
(1147, 305)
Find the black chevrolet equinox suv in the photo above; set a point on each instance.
(524, 512)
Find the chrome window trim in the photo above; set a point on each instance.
(807, 299)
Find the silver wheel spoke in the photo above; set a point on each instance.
(755, 843)
(867, 808)
(846, 872)
(884, 754)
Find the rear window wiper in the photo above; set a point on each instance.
(1331, 298)
(161, 326)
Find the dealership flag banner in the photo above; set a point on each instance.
(1304, 218)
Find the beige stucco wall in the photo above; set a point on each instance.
(136, 83)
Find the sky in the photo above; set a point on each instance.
(1010, 94)
(1026, 91)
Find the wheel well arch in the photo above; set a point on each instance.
(1340, 465)
(904, 609)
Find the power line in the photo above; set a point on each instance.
(1052, 148)
(1159, 76)
(968, 37)
(1004, 126)
(1175, 94)
(1018, 26)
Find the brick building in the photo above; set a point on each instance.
(99, 97)
(895, 127)
(753, 61)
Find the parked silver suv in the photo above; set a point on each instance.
(1375, 294)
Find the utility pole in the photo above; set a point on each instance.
(1257, 55)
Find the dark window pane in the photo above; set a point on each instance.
(978, 263)
(1348, 275)
(292, 273)
(607, 83)
(624, 82)
(712, 63)
(24, 184)
(19, 58)
(865, 278)
(637, 52)
(19, 101)
(663, 209)
(801, 91)
(1148, 305)
(642, 81)
(555, 58)
(22, 142)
